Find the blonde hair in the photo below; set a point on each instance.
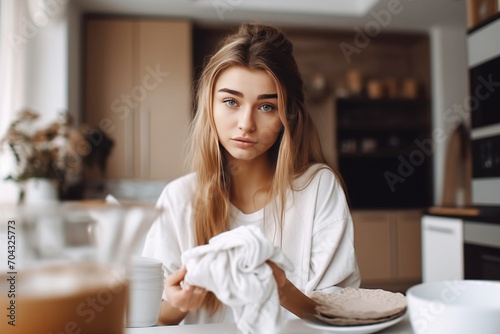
(256, 47)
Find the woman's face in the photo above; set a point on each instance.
(245, 107)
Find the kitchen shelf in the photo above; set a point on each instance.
(374, 138)
(381, 127)
(381, 102)
(379, 154)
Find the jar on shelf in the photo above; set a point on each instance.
(375, 89)
(409, 89)
(354, 82)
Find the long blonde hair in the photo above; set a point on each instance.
(256, 47)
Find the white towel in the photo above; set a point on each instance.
(233, 266)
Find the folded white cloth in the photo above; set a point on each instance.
(233, 266)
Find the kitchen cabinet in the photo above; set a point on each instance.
(138, 91)
(384, 152)
(372, 240)
(480, 11)
(442, 248)
(388, 247)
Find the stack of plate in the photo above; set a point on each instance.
(146, 287)
(351, 307)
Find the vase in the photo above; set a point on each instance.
(40, 190)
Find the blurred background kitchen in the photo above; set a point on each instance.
(387, 82)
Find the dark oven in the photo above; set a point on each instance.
(481, 250)
(484, 101)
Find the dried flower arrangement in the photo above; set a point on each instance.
(58, 152)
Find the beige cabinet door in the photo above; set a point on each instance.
(138, 83)
(408, 243)
(388, 245)
(164, 114)
(372, 240)
(108, 75)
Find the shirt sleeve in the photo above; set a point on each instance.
(161, 241)
(333, 258)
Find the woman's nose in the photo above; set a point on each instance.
(246, 120)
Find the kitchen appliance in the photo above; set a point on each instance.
(484, 102)
(458, 248)
(481, 250)
(442, 248)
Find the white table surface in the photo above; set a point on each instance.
(291, 327)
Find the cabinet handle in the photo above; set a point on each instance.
(439, 229)
(129, 145)
(144, 142)
(490, 258)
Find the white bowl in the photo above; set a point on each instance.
(458, 307)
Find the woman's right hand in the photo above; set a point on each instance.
(185, 297)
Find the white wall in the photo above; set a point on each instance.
(46, 74)
(52, 72)
(74, 61)
(449, 75)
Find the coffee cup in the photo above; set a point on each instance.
(146, 280)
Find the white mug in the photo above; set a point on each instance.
(146, 288)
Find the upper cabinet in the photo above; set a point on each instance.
(479, 12)
(138, 90)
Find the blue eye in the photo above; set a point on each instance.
(231, 103)
(267, 108)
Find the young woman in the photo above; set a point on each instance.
(257, 160)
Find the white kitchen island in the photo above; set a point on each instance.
(291, 327)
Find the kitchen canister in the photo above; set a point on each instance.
(146, 281)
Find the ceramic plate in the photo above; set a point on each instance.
(364, 329)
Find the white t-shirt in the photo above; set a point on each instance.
(317, 234)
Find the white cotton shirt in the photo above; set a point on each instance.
(317, 234)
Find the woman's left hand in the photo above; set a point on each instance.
(279, 276)
(292, 298)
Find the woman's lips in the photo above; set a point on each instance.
(243, 142)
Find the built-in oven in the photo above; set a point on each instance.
(481, 250)
(484, 105)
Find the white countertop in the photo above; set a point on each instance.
(291, 327)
